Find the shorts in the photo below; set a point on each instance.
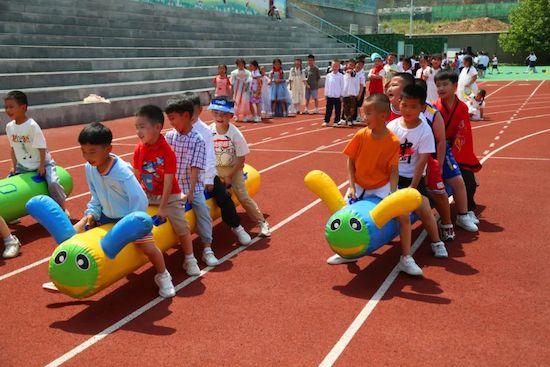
(482, 67)
(311, 93)
(148, 239)
(434, 180)
(380, 192)
(450, 167)
(405, 182)
(255, 99)
(175, 211)
(495, 67)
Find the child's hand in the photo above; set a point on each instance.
(11, 172)
(90, 222)
(209, 187)
(41, 170)
(352, 194)
(161, 212)
(190, 197)
(227, 180)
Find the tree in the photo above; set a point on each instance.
(529, 28)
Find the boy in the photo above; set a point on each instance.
(11, 243)
(350, 94)
(390, 68)
(231, 149)
(212, 182)
(417, 144)
(373, 155)
(115, 193)
(190, 150)
(29, 151)
(476, 105)
(334, 86)
(458, 131)
(376, 75)
(360, 71)
(155, 167)
(313, 76)
(494, 63)
(393, 91)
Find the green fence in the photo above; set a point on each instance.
(427, 45)
(491, 10)
(253, 7)
(358, 6)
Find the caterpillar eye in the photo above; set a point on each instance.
(60, 258)
(82, 262)
(335, 224)
(355, 224)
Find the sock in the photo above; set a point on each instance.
(207, 250)
(190, 257)
(9, 239)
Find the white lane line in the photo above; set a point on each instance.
(285, 133)
(491, 145)
(296, 150)
(336, 140)
(301, 128)
(497, 137)
(501, 132)
(114, 327)
(522, 158)
(286, 136)
(24, 268)
(264, 139)
(504, 86)
(313, 124)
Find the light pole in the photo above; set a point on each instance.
(411, 19)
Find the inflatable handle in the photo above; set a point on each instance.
(38, 178)
(323, 186)
(130, 228)
(157, 221)
(48, 213)
(401, 202)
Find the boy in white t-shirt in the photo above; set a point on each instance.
(29, 152)
(417, 144)
(350, 94)
(476, 105)
(231, 149)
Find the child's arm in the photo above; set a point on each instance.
(351, 176)
(419, 169)
(41, 167)
(166, 190)
(193, 183)
(93, 208)
(13, 161)
(441, 143)
(394, 178)
(481, 112)
(136, 196)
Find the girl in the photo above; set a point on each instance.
(427, 74)
(266, 94)
(278, 87)
(467, 80)
(476, 105)
(297, 83)
(407, 66)
(221, 82)
(240, 85)
(256, 91)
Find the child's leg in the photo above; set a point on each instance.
(226, 204)
(79, 226)
(328, 110)
(239, 188)
(338, 108)
(204, 221)
(154, 255)
(308, 97)
(428, 220)
(441, 202)
(54, 187)
(405, 234)
(4, 230)
(459, 193)
(470, 188)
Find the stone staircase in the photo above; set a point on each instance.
(61, 51)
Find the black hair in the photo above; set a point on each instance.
(380, 101)
(152, 113)
(407, 60)
(446, 75)
(421, 83)
(277, 60)
(180, 104)
(362, 57)
(483, 93)
(223, 66)
(469, 59)
(95, 134)
(310, 56)
(17, 96)
(407, 78)
(351, 61)
(255, 63)
(414, 92)
(239, 61)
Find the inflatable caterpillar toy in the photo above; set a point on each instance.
(85, 263)
(363, 227)
(16, 190)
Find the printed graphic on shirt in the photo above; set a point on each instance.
(23, 139)
(406, 151)
(153, 173)
(225, 151)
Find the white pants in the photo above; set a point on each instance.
(380, 192)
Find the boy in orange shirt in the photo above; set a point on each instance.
(373, 160)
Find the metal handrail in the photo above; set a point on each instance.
(334, 31)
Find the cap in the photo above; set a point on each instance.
(222, 104)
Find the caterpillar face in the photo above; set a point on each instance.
(73, 268)
(347, 233)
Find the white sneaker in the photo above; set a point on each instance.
(50, 286)
(342, 122)
(310, 112)
(350, 123)
(264, 229)
(11, 248)
(359, 119)
(324, 124)
(209, 258)
(15, 221)
(337, 260)
(473, 217)
(439, 250)
(191, 267)
(407, 265)
(257, 119)
(270, 115)
(164, 282)
(466, 223)
(316, 111)
(243, 237)
(446, 232)
(246, 119)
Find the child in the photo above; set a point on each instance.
(360, 71)
(278, 87)
(231, 149)
(240, 85)
(407, 66)
(11, 243)
(458, 132)
(256, 91)
(334, 86)
(266, 94)
(376, 75)
(467, 80)
(390, 67)
(221, 82)
(494, 63)
(373, 155)
(427, 74)
(297, 83)
(350, 94)
(115, 193)
(393, 91)
(417, 144)
(476, 105)
(436, 66)
(313, 76)
(29, 152)
(214, 185)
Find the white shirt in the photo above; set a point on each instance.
(532, 57)
(26, 139)
(484, 60)
(229, 146)
(464, 79)
(204, 131)
(428, 75)
(414, 142)
(400, 67)
(474, 106)
(362, 77)
(495, 60)
(352, 84)
(334, 85)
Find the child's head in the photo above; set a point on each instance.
(277, 63)
(335, 65)
(446, 82)
(149, 123)
(16, 103)
(407, 63)
(377, 110)
(424, 62)
(195, 99)
(222, 69)
(396, 85)
(310, 60)
(360, 65)
(95, 143)
(262, 70)
(436, 61)
(223, 109)
(298, 63)
(480, 96)
(390, 59)
(254, 65)
(180, 111)
(351, 64)
(467, 61)
(421, 83)
(241, 64)
(413, 102)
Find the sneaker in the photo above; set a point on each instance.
(209, 258)
(270, 115)
(316, 111)
(257, 119)
(50, 286)
(407, 265)
(337, 260)
(246, 119)
(243, 237)
(439, 250)
(191, 267)
(465, 222)
(164, 282)
(11, 248)
(342, 122)
(350, 123)
(359, 119)
(324, 124)
(446, 232)
(310, 112)
(15, 221)
(264, 229)
(473, 217)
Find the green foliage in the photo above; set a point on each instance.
(529, 28)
